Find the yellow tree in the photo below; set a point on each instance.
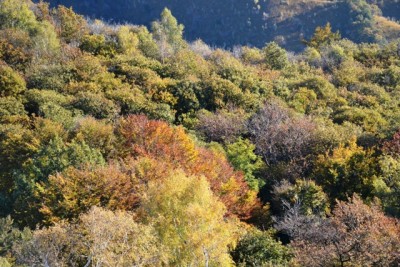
(346, 170)
(323, 36)
(128, 41)
(190, 221)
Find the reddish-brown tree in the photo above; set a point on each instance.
(169, 148)
(355, 235)
(392, 147)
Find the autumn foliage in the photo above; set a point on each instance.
(127, 146)
(356, 234)
(172, 148)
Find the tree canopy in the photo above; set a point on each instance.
(124, 145)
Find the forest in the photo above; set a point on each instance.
(126, 145)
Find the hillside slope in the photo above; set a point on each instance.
(227, 23)
(121, 146)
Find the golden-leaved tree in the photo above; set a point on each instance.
(189, 221)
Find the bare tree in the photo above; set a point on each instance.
(355, 235)
(278, 136)
(47, 247)
(221, 126)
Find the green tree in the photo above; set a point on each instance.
(388, 190)
(346, 170)
(11, 82)
(304, 100)
(10, 106)
(362, 19)
(17, 14)
(218, 93)
(168, 34)
(241, 155)
(275, 56)
(259, 248)
(309, 196)
(147, 44)
(51, 105)
(97, 44)
(128, 41)
(17, 145)
(46, 42)
(72, 27)
(369, 119)
(96, 133)
(9, 235)
(52, 158)
(96, 105)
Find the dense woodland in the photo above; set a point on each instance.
(122, 145)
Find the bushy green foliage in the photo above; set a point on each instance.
(95, 105)
(97, 45)
(17, 14)
(10, 106)
(259, 248)
(309, 196)
(348, 169)
(241, 155)
(275, 56)
(11, 82)
(9, 236)
(72, 25)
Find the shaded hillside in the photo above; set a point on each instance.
(228, 23)
(390, 8)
